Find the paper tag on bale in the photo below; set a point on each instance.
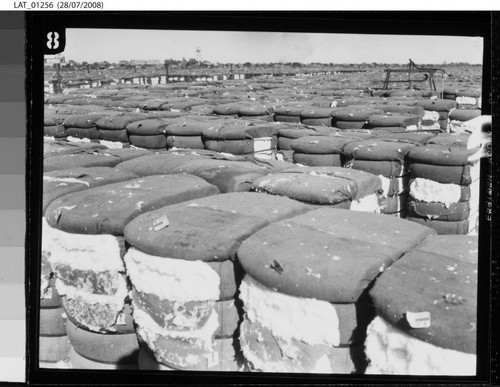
(262, 143)
(160, 223)
(120, 319)
(419, 319)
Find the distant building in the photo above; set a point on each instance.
(50, 60)
(138, 62)
(142, 62)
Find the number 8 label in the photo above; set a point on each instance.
(52, 42)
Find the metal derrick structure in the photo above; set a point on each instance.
(412, 69)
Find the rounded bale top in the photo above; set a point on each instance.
(443, 288)
(305, 262)
(107, 209)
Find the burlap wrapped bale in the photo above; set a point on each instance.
(62, 182)
(449, 294)
(323, 185)
(126, 200)
(303, 261)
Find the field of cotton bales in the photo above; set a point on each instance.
(261, 221)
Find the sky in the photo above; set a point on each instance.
(265, 47)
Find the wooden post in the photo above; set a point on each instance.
(409, 74)
(166, 71)
(58, 89)
(387, 79)
(433, 82)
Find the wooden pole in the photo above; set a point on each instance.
(58, 77)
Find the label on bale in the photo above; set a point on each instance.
(160, 223)
(419, 319)
(107, 209)
(262, 143)
(120, 319)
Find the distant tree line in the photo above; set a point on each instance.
(194, 63)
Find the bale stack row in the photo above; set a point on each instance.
(436, 113)
(304, 291)
(54, 345)
(465, 98)
(231, 288)
(325, 187)
(83, 227)
(239, 137)
(459, 119)
(444, 187)
(185, 277)
(53, 126)
(199, 275)
(426, 311)
(386, 159)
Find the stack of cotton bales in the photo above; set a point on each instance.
(185, 278)
(387, 160)
(202, 110)
(437, 112)
(317, 116)
(188, 133)
(395, 108)
(229, 109)
(444, 188)
(257, 111)
(354, 117)
(319, 150)
(85, 158)
(355, 101)
(53, 341)
(453, 140)
(56, 184)
(227, 172)
(59, 148)
(426, 305)
(152, 104)
(288, 113)
(89, 157)
(240, 139)
(393, 122)
(467, 99)
(287, 134)
(325, 147)
(84, 236)
(53, 125)
(148, 133)
(82, 126)
(325, 186)
(182, 104)
(61, 182)
(114, 128)
(419, 137)
(459, 118)
(304, 294)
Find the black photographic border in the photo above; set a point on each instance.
(468, 23)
